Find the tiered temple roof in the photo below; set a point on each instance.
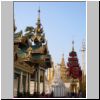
(36, 54)
(63, 70)
(74, 67)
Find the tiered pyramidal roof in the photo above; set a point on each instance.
(73, 64)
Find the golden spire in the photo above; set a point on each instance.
(38, 20)
(38, 28)
(73, 45)
(39, 37)
(63, 55)
(62, 60)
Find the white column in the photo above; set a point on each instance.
(38, 81)
(21, 82)
(26, 83)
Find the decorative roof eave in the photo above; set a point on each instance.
(41, 62)
(37, 50)
(72, 59)
(24, 67)
(17, 41)
(18, 34)
(21, 40)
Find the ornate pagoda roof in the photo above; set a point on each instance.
(37, 49)
(33, 54)
(74, 67)
(39, 36)
(72, 54)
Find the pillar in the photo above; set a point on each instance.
(24, 84)
(28, 83)
(21, 82)
(18, 89)
(44, 81)
(35, 81)
(38, 81)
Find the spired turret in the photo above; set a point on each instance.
(75, 72)
(63, 70)
(62, 61)
(74, 68)
(39, 36)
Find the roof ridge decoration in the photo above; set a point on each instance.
(38, 36)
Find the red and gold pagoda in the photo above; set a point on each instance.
(74, 71)
(73, 65)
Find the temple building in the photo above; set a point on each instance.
(22, 70)
(31, 60)
(75, 72)
(36, 75)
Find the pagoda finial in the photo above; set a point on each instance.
(38, 20)
(39, 13)
(63, 55)
(62, 60)
(73, 45)
(39, 36)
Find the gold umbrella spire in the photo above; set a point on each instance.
(73, 45)
(38, 19)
